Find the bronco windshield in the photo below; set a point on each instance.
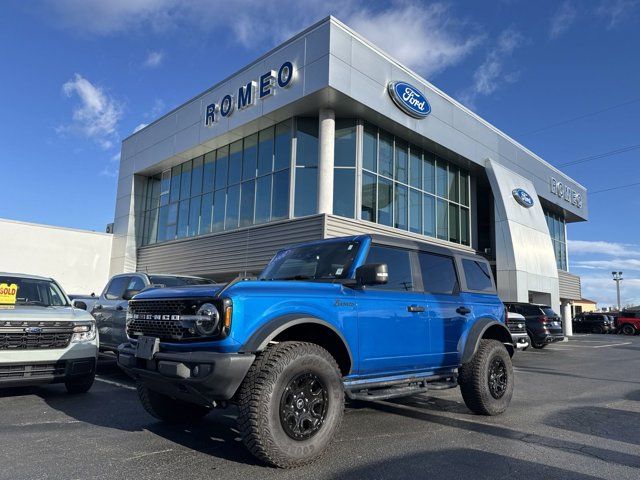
(31, 291)
(322, 261)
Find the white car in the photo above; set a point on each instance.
(518, 327)
(43, 338)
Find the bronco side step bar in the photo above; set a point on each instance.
(399, 387)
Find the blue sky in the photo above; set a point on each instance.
(562, 78)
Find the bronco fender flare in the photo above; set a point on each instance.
(499, 332)
(259, 340)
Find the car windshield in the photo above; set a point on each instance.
(330, 260)
(31, 291)
(173, 281)
(549, 312)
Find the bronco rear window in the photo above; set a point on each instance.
(478, 276)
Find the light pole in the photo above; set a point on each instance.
(617, 277)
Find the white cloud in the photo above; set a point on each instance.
(97, 114)
(602, 248)
(562, 20)
(602, 289)
(490, 75)
(614, 12)
(153, 60)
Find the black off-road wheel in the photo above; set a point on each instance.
(81, 384)
(628, 329)
(291, 404)
(486, 381)
(169, 409)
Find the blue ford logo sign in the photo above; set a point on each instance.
(523, 198)
(409, 99)
(33, 330)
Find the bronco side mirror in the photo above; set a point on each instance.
(372, 274)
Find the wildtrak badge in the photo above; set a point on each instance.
(409, 99)
(247, 94)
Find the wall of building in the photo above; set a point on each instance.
(77, 259)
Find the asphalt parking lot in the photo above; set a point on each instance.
(575, 415)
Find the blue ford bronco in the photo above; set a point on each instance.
(368, 317)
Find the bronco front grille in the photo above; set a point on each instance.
(33, 335)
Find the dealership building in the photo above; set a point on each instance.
(327, 135)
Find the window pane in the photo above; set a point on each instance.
(208, 172)
(185, 181)
(194, 216)
(429, 173)
(206, 213)
(400, 203)
(477, 275)
(165, 183)
(453, 184)
(235, 162)
(280, 195)
(307, 142)
(247, 199)
(442, 179)
(438, 273)
(453, 223)
(219, 207)
(233, 207)
(442, 212)
(429, 215)
(183, 219)
(163, 216)
(345, 143)
(464, 227)
(282, 146)
(415, 211)
(399, 266)
(151, 226)
(250, 157)
(265, 151)
(306, 191)
(464, 188)
(415, 167)
(196, 177)
(385, 194)
(222, 165)
(402, 162)
(385, 154)
(344, 188)
(263, 199)
(369, 148)
(369, 208)
(175, 184)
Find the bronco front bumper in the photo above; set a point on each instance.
(196, 377)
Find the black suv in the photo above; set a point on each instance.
(593, 323)
(544, 326)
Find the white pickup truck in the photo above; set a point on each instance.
(43, 338)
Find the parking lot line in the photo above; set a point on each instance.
(113, 382)
(611, 345)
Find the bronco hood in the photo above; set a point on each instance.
(187, 291)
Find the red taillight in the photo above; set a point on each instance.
(543, 319)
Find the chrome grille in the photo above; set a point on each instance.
(517, 327)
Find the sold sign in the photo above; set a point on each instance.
(8, 293)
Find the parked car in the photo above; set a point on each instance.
(592, 322)
(369, 316)
(544, 326)
(517, 327)
(628, 322)
(110, 308)
(43, 339)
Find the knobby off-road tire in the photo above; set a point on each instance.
(291, 404)
(486, 381)
(168, 409)
(80, 385)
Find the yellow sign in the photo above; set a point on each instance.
(8, 294)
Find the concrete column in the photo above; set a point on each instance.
(566, 319)
(326, 142)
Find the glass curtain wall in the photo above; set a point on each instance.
(557, 231)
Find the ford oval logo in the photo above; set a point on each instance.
(33, 330)
(409, 99)
(522, 197)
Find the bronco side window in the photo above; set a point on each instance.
(438, 273)
(399, 264)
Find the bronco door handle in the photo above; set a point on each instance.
(415, 308)
(463, 310)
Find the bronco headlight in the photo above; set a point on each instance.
(207, 319)
(83, 332)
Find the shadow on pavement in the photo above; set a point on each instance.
(607, 423)
(635, 395)
(459, 464)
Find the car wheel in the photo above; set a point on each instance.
(291, 404)
(81, 384)
(628, 329)
(169, 409)
(597, 329)
(486, 381)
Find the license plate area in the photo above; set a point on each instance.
(147, 347)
